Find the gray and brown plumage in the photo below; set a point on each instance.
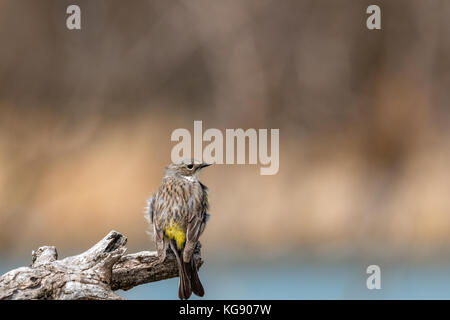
(178, 213)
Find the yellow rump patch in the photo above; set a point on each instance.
(174, 232)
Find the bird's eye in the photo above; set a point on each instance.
(190, 166)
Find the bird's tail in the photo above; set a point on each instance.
(189, 280)
(196, 284)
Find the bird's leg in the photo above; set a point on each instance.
(161, 249)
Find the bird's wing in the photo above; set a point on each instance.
(149, 212)
(156, 209)
(197, 218)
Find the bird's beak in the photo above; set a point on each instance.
(203, 165)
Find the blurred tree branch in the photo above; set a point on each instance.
(93, 274)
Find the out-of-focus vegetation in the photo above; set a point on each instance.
(86, 118)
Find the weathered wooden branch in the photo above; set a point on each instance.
(94, 274)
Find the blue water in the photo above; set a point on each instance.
(303, 280)
(309, 281)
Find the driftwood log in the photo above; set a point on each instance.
(94, 274)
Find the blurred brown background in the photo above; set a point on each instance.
(86, 118)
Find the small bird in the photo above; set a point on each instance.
(178, 213)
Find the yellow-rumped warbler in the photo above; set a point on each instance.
(178, 213)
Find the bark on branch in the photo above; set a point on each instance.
(94, 274)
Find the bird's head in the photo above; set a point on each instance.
(185, 168)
